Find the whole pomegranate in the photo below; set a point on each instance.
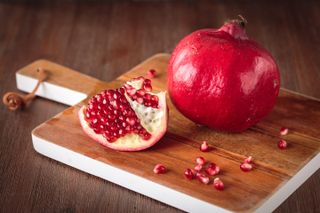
(222, 79)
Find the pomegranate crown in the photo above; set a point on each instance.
(236, 27)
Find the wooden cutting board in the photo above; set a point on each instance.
(276, 174)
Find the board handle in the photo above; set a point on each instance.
(62, 85)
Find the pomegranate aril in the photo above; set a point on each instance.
(284, 131)
(131, 121)
(98, 97)
(147, 103)
(131, 91)
(122, 107)
(212, 169)
(204, 147)
(282, 144)
(203, 178)
(140, 100)
(122, 132)
(147, 97)
(248, 159)
(141, 92)
(121, 90)
(146, 136)
(200, 160)
(95, 121)
(159, 169)
(189, 174)
(246, 167)
(198, 167)
(92, 106)
(147, 82)
(88, 115)
(147, 87)
(218, 184)
(110, 93)
(151, 73)
(111, 116)
(97, 130)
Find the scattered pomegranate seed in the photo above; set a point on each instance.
(248, 159)
(212, 169)
(204, 147)
(203, 178)
(284, 131)
(159, 169)
(282, 144)
(246, 167)
(218, 184)
(151, 73)
(198, 167)
(189, 174)
(200, 160)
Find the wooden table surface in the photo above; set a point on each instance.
(105, 39)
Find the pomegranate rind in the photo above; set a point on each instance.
(130, 142)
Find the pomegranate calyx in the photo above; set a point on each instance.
(236, 28)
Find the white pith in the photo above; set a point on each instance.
(132, 141)
(150, 118)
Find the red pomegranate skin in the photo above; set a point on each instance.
(222, 79)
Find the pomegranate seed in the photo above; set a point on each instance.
(204, 147)
(159, 169)
(246, 167)
(200, 160)
(110, 93)
(146, 136)
(140, 100)
(248, 159)
(189, 174)
(98, 97)
(198, 168)
(282, 144)
(218, 184)
(122, 90)
(131, 121)
(151, 73)
(147, 87)
(212, 169)
(131, 91)
(203, 178)
(141, 92)
(147, 82)
(284, 131)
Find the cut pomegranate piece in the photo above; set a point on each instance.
(204, 147)
(126, 119)
(159, 169)
(282, 144)
(218, 184)
(284, 131)
(246, 167)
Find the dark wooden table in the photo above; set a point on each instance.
(104, 39)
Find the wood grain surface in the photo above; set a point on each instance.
(104, 40)
(178, 149)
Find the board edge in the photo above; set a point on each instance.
(133, 182)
